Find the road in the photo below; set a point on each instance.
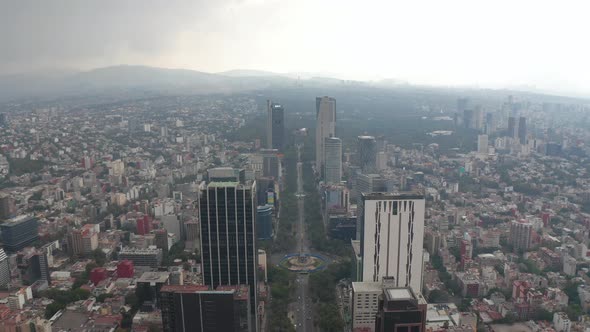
(302, 305)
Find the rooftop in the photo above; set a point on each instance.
(17, 221)
(223, 184)
(70, 320)
(365, 287)
(393, 195)
(400, 293)
(154, 277)
(242, 292)
(184, 288)
(129, 250)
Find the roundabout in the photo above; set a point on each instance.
(303, 262)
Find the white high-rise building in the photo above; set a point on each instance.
(333, 160)
(325, 127)
(482, 144)
(392, 236)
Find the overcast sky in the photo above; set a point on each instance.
(441, 42)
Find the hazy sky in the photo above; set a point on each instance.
(443, 42)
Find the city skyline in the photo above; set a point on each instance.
(294, 166)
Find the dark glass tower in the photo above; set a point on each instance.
(522, 130)
(195, 308)
(228, 236)
(19, 232)
(512, 127)
(367, 153)
(275, 130)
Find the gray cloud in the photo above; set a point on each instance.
(455, 42)
(73, 33)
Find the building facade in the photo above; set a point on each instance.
(521, 235)
(367, 154)
(325, 127)
(275, 127)
(196, 308)
(482, 144)
(4, 270)
(365, 305)
(228, 236)
(332, 160)
(392, 235)
(151, 257)
(401, 309)
(19, 232)
(522, 130)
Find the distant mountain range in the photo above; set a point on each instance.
(129, 80)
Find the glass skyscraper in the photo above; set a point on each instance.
(228, 236)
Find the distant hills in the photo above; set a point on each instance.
(248, 73)
(128, 78)
(130, 81)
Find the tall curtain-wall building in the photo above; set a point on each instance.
(325, 127)
(228, 236)
(332, 160)
(367, 154)
(275, 126)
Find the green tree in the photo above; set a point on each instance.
(132, 300)
(102, 297)
(99, 257)
(438, 296)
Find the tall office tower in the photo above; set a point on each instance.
(271, 165)
(522, 130)
(195, 308)
(4, 270)
(478, 118)
(368, 183)
(511, 127)
(275, 126)
(226, 174)
(325, 127)
(391, 235)
(482, 144)
(332, 160)
(228, 236)
(490, 125)
(367, 153)
(468, 119)
(462, 104)
(19, 232)
(401, 309)
(521, 233)
(3, 119)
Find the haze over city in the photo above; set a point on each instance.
(294, 166)
(527, 45)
